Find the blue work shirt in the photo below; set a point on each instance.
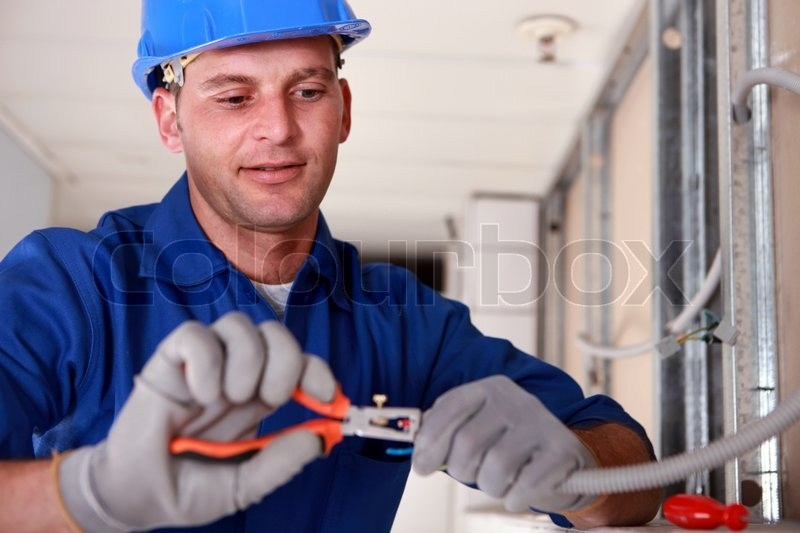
(83, 312)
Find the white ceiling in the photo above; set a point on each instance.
(448, 100)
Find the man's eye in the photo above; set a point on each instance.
(232, 101)
(309, 94)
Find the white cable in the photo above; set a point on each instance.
(741, 114)
(678, 467)
(613, 352)
(770, 75)
(698, 303)
(676, 325)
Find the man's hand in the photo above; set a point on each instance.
(494, 433)
(212, 383)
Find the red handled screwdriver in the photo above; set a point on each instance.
(693, 511)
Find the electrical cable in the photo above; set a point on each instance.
(770, 75)
(678, 467)
(741, 114)
(692, 335)
(674, 326)
(698, 303)
(613, 352)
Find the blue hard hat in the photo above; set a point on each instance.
(175, 28)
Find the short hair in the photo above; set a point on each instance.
(175, 89)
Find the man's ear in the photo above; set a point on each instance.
(346, 116)
(166, 114)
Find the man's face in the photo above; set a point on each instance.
(260, 127)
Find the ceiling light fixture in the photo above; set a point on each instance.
(545, 31)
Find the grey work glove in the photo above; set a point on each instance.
(213, 383)
(494, 433)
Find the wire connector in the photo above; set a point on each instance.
(727, 333)
(668, 346)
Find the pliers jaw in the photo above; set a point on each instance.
(385, 423)
(340, 419)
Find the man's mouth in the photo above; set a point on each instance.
(277, 167)
(274, 173)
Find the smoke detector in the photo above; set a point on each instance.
(545, 31)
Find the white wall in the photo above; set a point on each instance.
(25, 193)
(501, 291)
(497, 281)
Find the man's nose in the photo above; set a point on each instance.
(275, 121)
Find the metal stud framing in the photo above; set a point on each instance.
(685, 221)
(712, 188)
(748, 261)
(590, 159)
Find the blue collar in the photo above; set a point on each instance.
(179, 253)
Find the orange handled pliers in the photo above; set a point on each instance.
(341, 419)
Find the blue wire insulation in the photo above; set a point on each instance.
(400, 452)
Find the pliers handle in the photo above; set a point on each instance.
(328, 428)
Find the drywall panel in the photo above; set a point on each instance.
(632, 380)
(572, 280)
(784, 19)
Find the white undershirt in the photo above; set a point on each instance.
(275, 295)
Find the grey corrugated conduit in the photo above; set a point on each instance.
(769, 75)
(678, 467)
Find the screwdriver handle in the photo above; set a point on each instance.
(694, 511)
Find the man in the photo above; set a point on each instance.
(167, 293)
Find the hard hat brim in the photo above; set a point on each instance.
(351, 32)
